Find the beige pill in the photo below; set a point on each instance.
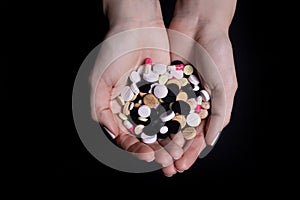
(188, 70)
(203, 113)
(193, 103)
(143, 94)
(143, 119)
(126, 108)
(150, 100)
(181, 119)
(163, 79)
(183, 81)
(189, 133)
(182, 96)
(121, 100)
(136, 105)
(174, 81)
(123, 116)
(139, 129)
(134, 97)
(205, 105)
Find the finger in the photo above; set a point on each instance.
(178, 139)
(169, 170)
(191, 154)
(132, 144)
(161, 155)
(171, 147)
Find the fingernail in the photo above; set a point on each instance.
(179, 171)
(169, 175)
(110, 133)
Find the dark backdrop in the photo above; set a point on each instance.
(81, 27)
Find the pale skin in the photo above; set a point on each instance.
(206, 21)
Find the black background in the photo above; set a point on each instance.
(77, 27)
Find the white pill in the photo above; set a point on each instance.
(167, 116)
(178, 74)
(160, 91)
(205, 95)
(163, 79)
(163, 130)
(141, 69)
(199, 100)
(135, 77)
(131, 106)
(159, 68)
(196, 88)
(148, 69)
(139, 129)
(152, 86)
(134, 88)
(194, 80)
(148, 139)
(171, 68)
(127, 93)
(193, 119)
(150, 77)
(144, 111)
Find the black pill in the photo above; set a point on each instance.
(189, 90)
(169, 99)
(144, 86)
(152, 128)
(173, 126)
(176, 62)
(181, 107)
(173, 89)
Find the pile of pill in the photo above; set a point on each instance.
(162, 99)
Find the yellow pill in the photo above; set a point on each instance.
(189, 133)
(188, 70)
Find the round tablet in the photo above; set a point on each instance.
(134, 88)
(203, 113)
(178, 74)
(127, 93)
(206, 105)
(148, 139)
(174, 89)
(205, 95)
(188, 70)
(189, 133)
(181, 107)
(194, 80)
(183, 82)
(193, 119)
(145, 87)
(135, 77)
(139, 129)
(163, 130)
(174, 81)
(193, 103)
(152, 86)
(160, 68)
(167, 116)
(196, 88)
(150, 100)
(173, 126)
(150, 77)
(144, 111)
(163, 79)
(160, 91)
(181, 119)
(182, 96)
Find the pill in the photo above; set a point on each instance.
(144, 111)
(159, 68)
(205, 105)
(136, 105)
(181, 107)
(188, 70)
(199, 103)
(169, 98)
(203, 113)
(182, 96)
(183, 81)
(123, 116)
(171, 68)
(144, 87)
(163, 130)
(129, 126)
(152, 86)
(131, 106)
(179, 67)
(126, 108)
(143, 119)
(140, 69)
(167, 116)
(176, 62)
(181, 119)
(121, 100)
(193, 119)
(194, 80)
(192, 102)
(196, 88)
(163, 79)
(135, 77)
(148, 61)
(150, 77)
(134, 88)
(173, 88)
(150, 100)
(139, 129)
(177, 74)
(148, 139)
(173, 126)
(127, 93)
(174, 81)
(160, 91)
(205, 95)
(189, 133)
(153, 128)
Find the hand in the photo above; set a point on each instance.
(130, 29)
(207, 22)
